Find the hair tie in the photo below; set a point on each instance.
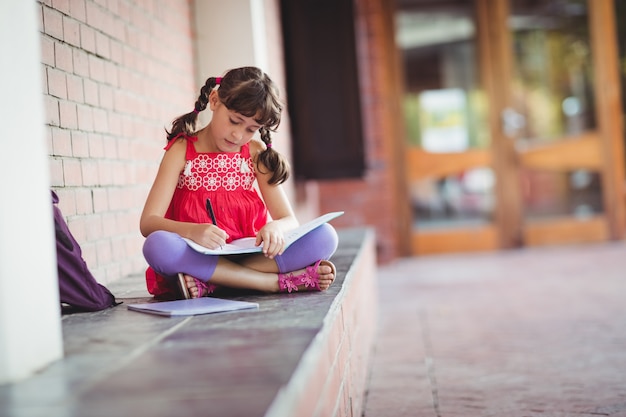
(218, 80)
(195, 111)
(269, 145)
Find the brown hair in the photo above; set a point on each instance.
(250, 92)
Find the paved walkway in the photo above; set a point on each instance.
(535, 332)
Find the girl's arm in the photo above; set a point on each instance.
(279, 208)
(160, 196)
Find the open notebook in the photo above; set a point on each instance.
(246, 245)
(192, 307)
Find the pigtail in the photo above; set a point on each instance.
(272, 160)
(186, 124)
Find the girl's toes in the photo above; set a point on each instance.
(191, 286)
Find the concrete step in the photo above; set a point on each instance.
(301, 354)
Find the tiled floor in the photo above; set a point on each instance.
(536, 332)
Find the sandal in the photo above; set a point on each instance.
(309, 278)
(204, 289)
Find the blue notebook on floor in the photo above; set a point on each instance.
(193, 307)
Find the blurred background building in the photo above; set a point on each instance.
(448, 125)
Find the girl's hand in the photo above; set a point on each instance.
(272, 238)
(208, 235)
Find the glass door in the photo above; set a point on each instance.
(514, 130)
(449, 147)
(559, 180)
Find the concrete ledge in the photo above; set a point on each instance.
(302, 354)
(330, 379)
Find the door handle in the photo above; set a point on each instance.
(512, 122)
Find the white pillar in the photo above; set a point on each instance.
(229, 34)
(30, 320)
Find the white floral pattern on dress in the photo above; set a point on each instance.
(222, 162)
(211, 182)
(222, 171)
(202, 163)
(231, 181)
(193, 181)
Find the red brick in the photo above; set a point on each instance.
(105, 171)
(331, 391)
(89, 172)
(53, 23)
(93, 228)
(77, 10)
(96, 147)
(89, 252)
(105, 96)
(119, 177)
(91, 92)
(96, 68)
(95, 15)
(84, 201)
(72, 172)
(40, 17)
(85, 117)
(80, 144)
(110, 147)
(47, 51)
(44, 79)
(71, 31)
(115, 124)
(87, 38)
(61, 142)
(67, 203)
(62, 5)
(104, 252)
(103, 47)
(75, 88)
(100, 200)
(100, 121)
(81, 62)
(112, 225)
(77, 227)
(116, 52)
(68, 118)
(52, 110)
(63, 57)
(56, 172)
(111, 73)
(57, 85)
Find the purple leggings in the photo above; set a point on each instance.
(168, 254)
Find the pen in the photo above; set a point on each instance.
(209, 209)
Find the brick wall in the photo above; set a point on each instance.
(114, 74)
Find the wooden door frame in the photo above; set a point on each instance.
(609, 110)
(496, 63)
(600, 150)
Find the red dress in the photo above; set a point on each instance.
(225, 178)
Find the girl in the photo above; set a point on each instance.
(220, 162)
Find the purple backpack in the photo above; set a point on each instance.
(78, 288)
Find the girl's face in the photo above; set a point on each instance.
(231, 130)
